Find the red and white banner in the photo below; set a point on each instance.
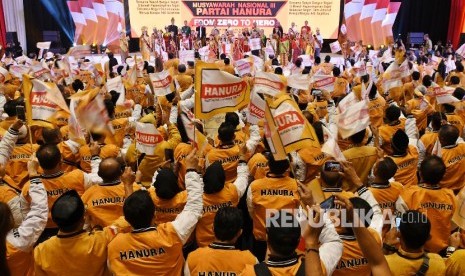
(186, 55)
(217, 91)
(198, 140)
(395, 71)
(294, 129)
(335, 47)
(347, 101)
(269, 83)
(365, 21)
(147, 138)
(255, 44)
(19, 70)
(243, 66)
(161, 83)
(79, 51)
(299, 81)
(444, 95)
(376, 22)
(352, 11)
(323, 82)
(360, 69)
(354, 119)
(330, 146)
(389, 20)
(256, 109)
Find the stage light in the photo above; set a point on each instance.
(93, 49)
(60, 11)
(369, 47)
(382, 46)
(74, 44)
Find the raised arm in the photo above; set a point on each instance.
(185, 222)
(8, 142)
(25, 236)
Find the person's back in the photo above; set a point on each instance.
(453, 155)
(455, 264)
(362, 157)
(258, 166)
(410, 258)
(429, 198)
(406, 158)
(387, 130)
(77, 254)
(223, 257)
(16, 168)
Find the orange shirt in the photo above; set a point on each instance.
(456, 121)
(258, 166)
(290, 268)
(229, 159)
(180, 153)
(119, 125)
(152, 251)
(16, 167)
(222, 260)
(363, 158)
(352, 262)
(227, 197)
(19, 262)
(386, 195)
(376, 110)
(166, 210)
(429, 139)
(314, 158)
(439, 205)
(407, 167)
(104, 203)
(109, 150)
(454, 159)
(56, 185)
(86, 158)
(271, 193)
(340, 87)
(386, 132)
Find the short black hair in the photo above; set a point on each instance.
(227, 224)
(232, 118)
(432, 169)
(110, 107)
(166, 184)
(223, 56)
(415, 229)
(436, 120)
(283, 233)
(459, 93)
(363, 208)
(386, 168)
(139, 209)
(454, 80)
(318, 127)
(277, 166)
(214, 178)
(458, 66)
(336, 71)
(182, 68)
(278, 71)
(10, 108)
(275, 62)
(327, 58)
(226, 132)
(298, 62)
(68, 211)
(416, 75)
(358, 137)
(392, 113)
(227, 61)
(317, 60)
(448, 135)
(427, 81)
(49, 156)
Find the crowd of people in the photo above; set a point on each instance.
(100, 207)
(229, 41)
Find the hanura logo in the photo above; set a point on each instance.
(256, 111)
(39, 98)
(162, 83)
(324, 82)
(269, 83)
(148, 138)
(222, 90)
(288, 119)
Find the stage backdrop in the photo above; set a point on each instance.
(158, 13)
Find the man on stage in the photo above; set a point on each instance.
(186, 29)
(201, 33)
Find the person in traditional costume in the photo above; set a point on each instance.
(145, 44)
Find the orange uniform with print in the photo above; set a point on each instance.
(166, 210)
(228, 156)
(156, 249)
(271, 194)
(227, 197)
(56, 186)
(407, 167)
(454, 159)
(104, 203)
(16, 167)
(438, 204)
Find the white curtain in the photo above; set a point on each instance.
(14, 20)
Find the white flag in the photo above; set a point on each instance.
(256, 109)
(116, 84)
(335, 47)
(147, 138)
(161, 83)
(354, 119)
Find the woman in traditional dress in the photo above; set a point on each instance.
(145, 44)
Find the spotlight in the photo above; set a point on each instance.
(74, 44)
(369, 47)
(382, 46)
(93, 49)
